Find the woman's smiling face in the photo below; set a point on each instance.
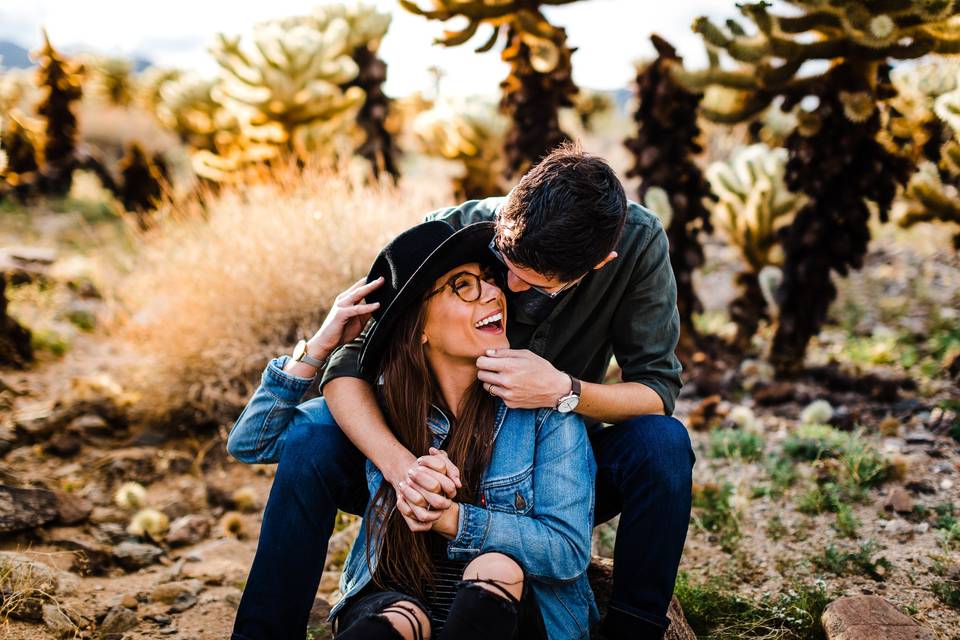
(459, 329)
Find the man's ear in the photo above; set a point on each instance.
(610, 256)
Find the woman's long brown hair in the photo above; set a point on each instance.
(409, 388)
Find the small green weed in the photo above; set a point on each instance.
(714, 612)
(948, 591)
(735, 443)
(846, 523)
(863, 561)
(714, 513)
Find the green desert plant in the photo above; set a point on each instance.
(863, 561)
(735, 443)
(715, 512)
(714, 611)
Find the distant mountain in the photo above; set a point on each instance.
(13, 56)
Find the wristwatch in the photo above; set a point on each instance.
(569, 402)
(300, 355)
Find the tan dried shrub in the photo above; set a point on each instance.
(219, 290)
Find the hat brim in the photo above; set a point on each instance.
(469, 244)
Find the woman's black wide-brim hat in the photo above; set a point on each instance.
(410, 265)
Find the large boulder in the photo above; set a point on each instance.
(870, 618)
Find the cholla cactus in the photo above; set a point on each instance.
(835, 156)
(367, 28)
(20, 173)
(754, 204)
(187, 108)
(61, 82)
(469, 133)
(111, 78)
(817, 412)
(140, 186)
(245, 498)
(3, 155)
(540, 80)
(667, 139)
(150, 83)
(285, 91)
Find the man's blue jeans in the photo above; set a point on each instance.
(644, 469)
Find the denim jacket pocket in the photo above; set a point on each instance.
(513, 494)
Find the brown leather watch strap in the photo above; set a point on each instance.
(574, 386)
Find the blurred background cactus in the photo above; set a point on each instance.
(61, 83)
(285, 90)
(540, 81)
(933, 193)
(110, 78)
(753, 205)
(20, 174)
(663, 150)
(470, 133)
(367, 26)
(835, 157)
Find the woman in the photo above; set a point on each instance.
(507, 558)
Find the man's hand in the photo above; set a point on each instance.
(522, 378)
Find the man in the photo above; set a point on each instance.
(589, 276)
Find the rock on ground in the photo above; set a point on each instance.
(870, 618)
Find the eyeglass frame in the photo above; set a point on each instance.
(550, 294)
(451, 279)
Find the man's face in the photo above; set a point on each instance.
(522, 279)
(519, 279)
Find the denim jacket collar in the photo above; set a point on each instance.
(439, 423)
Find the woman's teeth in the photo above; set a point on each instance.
(497, 317)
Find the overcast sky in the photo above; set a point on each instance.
(609, 34)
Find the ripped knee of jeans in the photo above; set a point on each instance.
(409, 615)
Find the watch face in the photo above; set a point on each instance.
(299, 350)
(568, 404)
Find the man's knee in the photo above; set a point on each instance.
(661, 444)
(316, 451)
(498, 568)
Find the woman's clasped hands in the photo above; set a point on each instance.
(426, 498)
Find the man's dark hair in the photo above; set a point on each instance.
(564, 216)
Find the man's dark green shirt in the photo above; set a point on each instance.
(626, 309)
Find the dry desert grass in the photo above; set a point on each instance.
(220, 290)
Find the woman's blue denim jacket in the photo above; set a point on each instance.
(537, 496)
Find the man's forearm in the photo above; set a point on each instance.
(354, 407)
(618, 402)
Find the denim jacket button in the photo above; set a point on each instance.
(519, 502)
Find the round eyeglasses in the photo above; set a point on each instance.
(466, 284)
